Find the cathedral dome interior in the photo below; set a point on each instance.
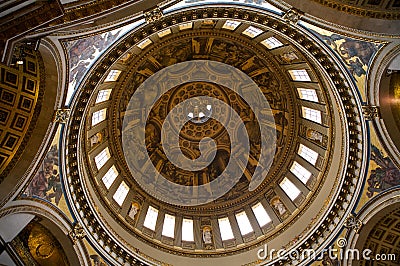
(200, 132)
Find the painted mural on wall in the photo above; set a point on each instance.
(84, 52)
(356, 55)
(385, 176)
(46, 183)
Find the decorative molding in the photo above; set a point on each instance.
(293, 15)
(153, 15)
(77, 233)
(353, 223)
(349, 187)
(61, 116)
(370, 112)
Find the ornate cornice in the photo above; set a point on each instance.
(346, 189)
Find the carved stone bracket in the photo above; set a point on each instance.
(352, 222)
(77, 233)
(61, 116)
(293, 15)
(153, 15)
(370, 112)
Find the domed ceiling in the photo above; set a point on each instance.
(210, 133)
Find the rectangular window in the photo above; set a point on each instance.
(164, 33)
(187, 230)
(121, 193)
(168, 226)
(99, 116)
(252, 32)
(308, 94)
(308, 154)
(299, 75)
(231, 24)
(143, 44)
(261, 214)
(185, 26)
(101, 158)
(103, 95)
(151, 218)
(290, 189)
(113, 75)
(312, 114)
(272, 43)
(225, 229)
(244, 223)
(300, 172)
(109, 177)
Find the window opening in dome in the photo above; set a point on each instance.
(225, 229)
(244, 223)
(151, 218)
(121, 193)
(308, 154)
(99, 116)
(300, 172)
(101, 158)
(168, 226)
(109, 177)
(290, 189)
(271, 43)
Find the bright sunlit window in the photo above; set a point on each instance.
(143, 44)
(164, 33)
(308, 154)
(168, 226)
(290, 189)
(231, 24)
(225, 229)
(252, 32)
(103, 95)
(121, 193)
(308, 94)
(271, 43)
(113, 75)
(261, 214)
(312, 114)
(99, 116)
(299, 75)
(101, 158)
(185, 26)
(244, 223)
(109, 177)
(187, 230)
(300, 172)
(151, 218)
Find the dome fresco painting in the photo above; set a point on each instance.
(197, 132)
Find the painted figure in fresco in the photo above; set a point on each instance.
(54, 183)
(38, 186)
(383, 177)
(356, 54)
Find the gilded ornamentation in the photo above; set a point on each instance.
(293, 15)
(153, 15)
(304, 41)
(77, 233)
(353, 223)
(370, 112)
(61, 116)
